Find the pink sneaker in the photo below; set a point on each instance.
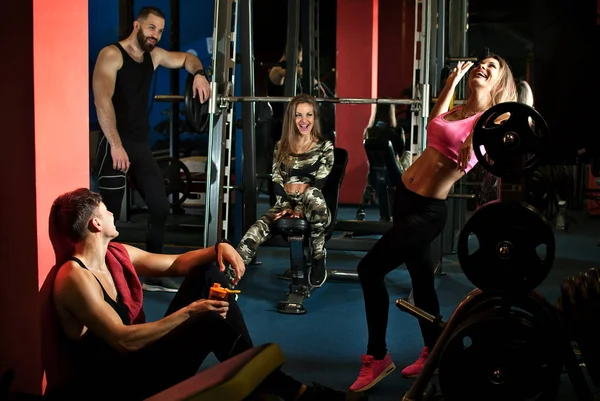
(372, 372)
(414, 369)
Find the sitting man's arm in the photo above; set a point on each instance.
(161, 265)
(77, 292)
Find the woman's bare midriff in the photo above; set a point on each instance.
(432, 175)
(295, 188)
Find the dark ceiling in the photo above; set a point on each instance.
(503, 27)
(512, 12)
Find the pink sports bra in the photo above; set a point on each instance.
(448, 136)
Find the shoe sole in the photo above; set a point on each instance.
(157, 288)
(379, 378)
(417, 375)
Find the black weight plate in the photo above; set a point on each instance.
(514, 146)
(196, 113)
(177, 178)
(515, 251)
(498, 355)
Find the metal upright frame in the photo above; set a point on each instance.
(421, 87)
(249, 189)
(457, 36)
(174, 82)
(310, 44)
(218, 168)
(293, 40)
(221, 112)
(437, 49)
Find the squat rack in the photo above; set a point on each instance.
(218, 190)
(430, 17)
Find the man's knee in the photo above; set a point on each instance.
(112, 189)
(210, 271)
(112, 182)
(203, 321)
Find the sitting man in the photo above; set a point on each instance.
(98, 307)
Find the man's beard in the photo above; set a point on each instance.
(144, 44)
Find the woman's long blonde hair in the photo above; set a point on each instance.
(290, 133)
(524, 93)
(505, 89)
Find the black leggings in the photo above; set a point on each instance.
(179, 354)
(417, 222)
(147, 179)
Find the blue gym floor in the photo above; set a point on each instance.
(325, 344)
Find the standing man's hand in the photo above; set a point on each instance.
(120, 158)
(201, 88)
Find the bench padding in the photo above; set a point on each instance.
(232, 380)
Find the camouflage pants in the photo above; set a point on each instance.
(316, 213)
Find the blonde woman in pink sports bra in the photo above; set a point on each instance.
(419, 213)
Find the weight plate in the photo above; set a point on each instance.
(177, 179)
(513, 146)
(196, 113)
(506, 247)
(500, 354)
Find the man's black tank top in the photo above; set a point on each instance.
(131, 97)
(117, 305)
(92, 351)
(95, 359)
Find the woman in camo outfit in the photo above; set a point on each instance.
(301, 164)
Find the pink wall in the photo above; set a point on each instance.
(46, 136)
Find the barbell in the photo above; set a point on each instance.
(197, 113)
(509, 139)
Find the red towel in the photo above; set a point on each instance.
(57, 358)
(126, 280)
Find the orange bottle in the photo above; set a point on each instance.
(220, 293)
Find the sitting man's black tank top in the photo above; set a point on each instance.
(91, 349)
(131, 97)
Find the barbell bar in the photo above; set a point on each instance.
(473, 59)
(180, 98)
(197, 114)
(283, 99)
